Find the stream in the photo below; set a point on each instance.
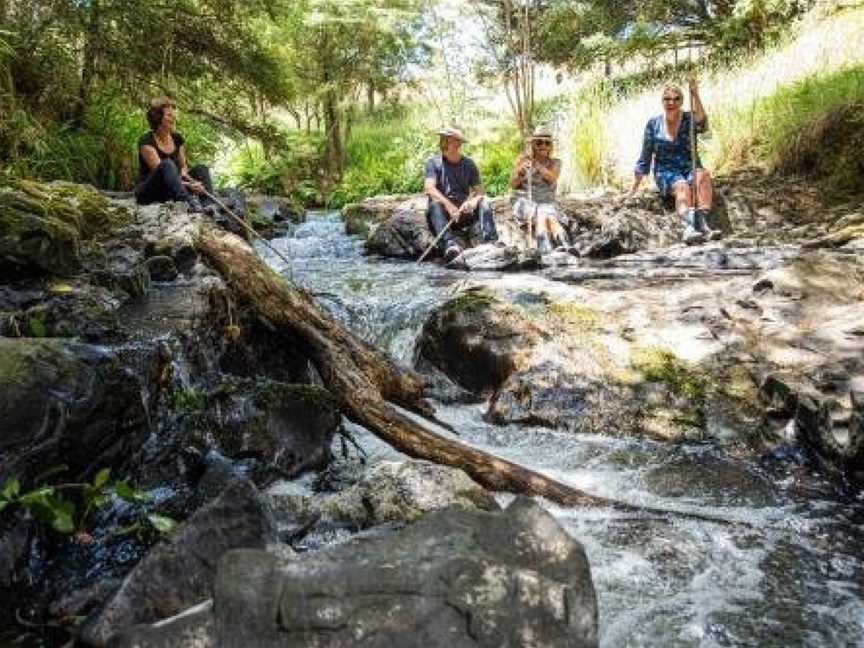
(792, 575)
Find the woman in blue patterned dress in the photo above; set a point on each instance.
(666, 143)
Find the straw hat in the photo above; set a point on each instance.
(541, 133)
(449, 131)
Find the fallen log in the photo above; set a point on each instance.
(365, 381)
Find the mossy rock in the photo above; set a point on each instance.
(42, 225)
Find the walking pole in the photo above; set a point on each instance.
(436, 239)
(250, 229)
(694, 194)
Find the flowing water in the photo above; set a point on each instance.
(792, 576)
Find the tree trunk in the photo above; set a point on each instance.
(332, 126)
(88, 66)
(363, 379)
(370, 97)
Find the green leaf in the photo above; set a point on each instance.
(101, 478)
(124, 491)
(162, 523)
(39, 496)
(3, 504)
(63, 520)
(11, 488)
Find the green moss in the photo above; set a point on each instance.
(36, 325)
(13, 363)
(472, 301)
(661, 365)
(316, 397)
(188, 400)
(575, 314)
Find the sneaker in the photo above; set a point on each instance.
(701, 224)
(452, 252)
(692, 237)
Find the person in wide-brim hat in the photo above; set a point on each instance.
(456, 198)
(543, 170)
(450, 131)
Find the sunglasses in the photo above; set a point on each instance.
(543, 142)
(671, 98)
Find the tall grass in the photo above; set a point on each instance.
(589, 163)
(766, 131)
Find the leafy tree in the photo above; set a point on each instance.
(336, 47)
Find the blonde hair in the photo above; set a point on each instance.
(673, 87)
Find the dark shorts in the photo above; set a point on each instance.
(665, 180)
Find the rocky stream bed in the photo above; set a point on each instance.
(723, 379)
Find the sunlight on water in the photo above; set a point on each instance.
(792, 575)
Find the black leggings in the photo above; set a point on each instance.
(164, 183)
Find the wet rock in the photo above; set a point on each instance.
(403, 235)
(73, 309)
(289, 427)
(476, 339)
(456, 577)
(169, 230)
(125, 270)
(179, 572)
(722, 482)
(277, 209)
(362, 218)
(392, 491)
(63, 402)
(162, 268)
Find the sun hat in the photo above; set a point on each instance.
(541, 133)
(450, 131)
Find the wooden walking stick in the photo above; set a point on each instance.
(436, 239)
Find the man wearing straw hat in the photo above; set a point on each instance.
(456, 197)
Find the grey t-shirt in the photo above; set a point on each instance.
(541, 191)
(453, 180)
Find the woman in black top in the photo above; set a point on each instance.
(163, 172)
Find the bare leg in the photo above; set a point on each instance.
(704, 189)
(681, 191)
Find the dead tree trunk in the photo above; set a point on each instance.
(363, 379)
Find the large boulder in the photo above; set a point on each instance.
(455, 578)
(63, 402)
(180, 572)
(476, 339)
(392, 491)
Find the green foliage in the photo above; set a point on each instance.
(59, 512)
(578, 34)
(294, 171)
(777, 130)
(385, 154)
(495, 157)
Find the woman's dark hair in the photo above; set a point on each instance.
(157, 110)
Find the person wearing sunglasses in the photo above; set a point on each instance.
(543, 170)
(666, 143)
(163, 172)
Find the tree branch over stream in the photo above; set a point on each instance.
(365, 381)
